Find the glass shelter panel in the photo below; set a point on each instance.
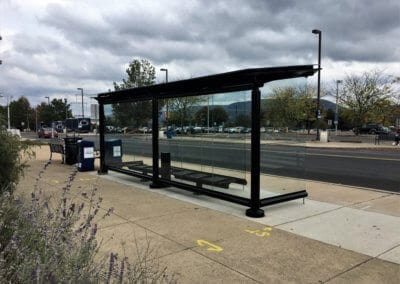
(287, 117)
(128, 136)
(208, 141)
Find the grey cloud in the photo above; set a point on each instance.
(205, 36)
(34, 45)
(220, 24)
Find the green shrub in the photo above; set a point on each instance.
(11, 160)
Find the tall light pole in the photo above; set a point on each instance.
(1, 96)
(1, 62)
(208, 114)
(36, 120)
(166, 74)
(66, 108)
(8, 111)
(318, 113)
(83, 113)
(166, 81)
(48, 100)
(337, 101)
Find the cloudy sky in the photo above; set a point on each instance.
(51, 47)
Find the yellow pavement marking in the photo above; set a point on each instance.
(55, 181)
(260, 233)
(211, 247)
(86, 179)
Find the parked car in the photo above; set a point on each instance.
(47, 132)
(371, 129)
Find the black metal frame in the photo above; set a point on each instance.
(248, 79)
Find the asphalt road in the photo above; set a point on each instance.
(379, 169)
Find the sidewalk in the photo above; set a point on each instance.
(340, 235)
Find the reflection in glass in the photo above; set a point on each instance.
(287, 114)
(128, 124)
(206, 137)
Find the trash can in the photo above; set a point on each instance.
(85, 156)
(165, 169)
(323, 136)
(71, 150)
(113, 152)
(169, 134)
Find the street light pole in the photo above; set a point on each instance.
(1, 96)
(166, 74)
(8, 111)
(166, 81)
(318, 113)
(337, 101)
(66, 109)
(1, 62)
(36, 120)
(48, 100)
(81, 89)
(208, 114)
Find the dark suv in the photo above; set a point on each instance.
(371, 129)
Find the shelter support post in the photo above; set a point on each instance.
(255, 210)
(103, 167)
(155, 179)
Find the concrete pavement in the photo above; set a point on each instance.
(340, 235)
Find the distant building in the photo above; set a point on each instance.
(94, 113)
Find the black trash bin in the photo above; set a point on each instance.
(113, 152)
(165, 170)
(85, 156)
(71, 150)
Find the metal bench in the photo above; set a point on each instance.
(57, 148)
(138, 166)
(203, 178)
(198, 177)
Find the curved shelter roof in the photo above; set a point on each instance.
(218, 83)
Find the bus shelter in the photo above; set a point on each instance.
(204, 135)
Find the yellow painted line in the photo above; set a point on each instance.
(260, 233)
(55, 181)
(87, 179)
(210, 246)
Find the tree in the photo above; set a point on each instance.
(58, 109)
(181, 109)
(289, 107)
(140, 73)
(3, 116)
(20, 113)
(243, 120)
(216, 115)
(368, 97)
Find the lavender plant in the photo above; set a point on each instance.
(54, 239)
